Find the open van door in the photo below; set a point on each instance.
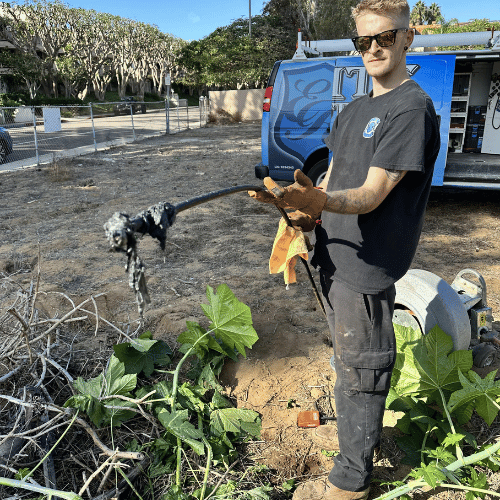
(491, 137)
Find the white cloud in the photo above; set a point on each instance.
(194, 18)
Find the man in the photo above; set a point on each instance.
(372, 204)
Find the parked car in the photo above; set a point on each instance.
(126, 103)
(6, 145)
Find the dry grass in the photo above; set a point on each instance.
(222, 117)
(58, 171)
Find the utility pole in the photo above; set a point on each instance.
(250, 18)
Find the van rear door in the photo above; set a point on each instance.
(300, 114)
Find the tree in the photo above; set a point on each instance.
(453, 26)
(41, 29)
(433, 14)
(419, 13)
(161, 56)
(25, 65)
(229, 58)
(91, 32)
(318, 19)
(71, 72)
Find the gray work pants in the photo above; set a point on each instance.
(364, 351)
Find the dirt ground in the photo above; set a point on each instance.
(57, 212)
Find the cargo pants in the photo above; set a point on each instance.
(364, 353)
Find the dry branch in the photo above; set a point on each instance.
(132, 455)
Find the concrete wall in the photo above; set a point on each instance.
(247, 103)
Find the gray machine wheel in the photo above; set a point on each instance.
(483, 355)
(433, 302)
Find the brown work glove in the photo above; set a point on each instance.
(301, 195)
(302, 221)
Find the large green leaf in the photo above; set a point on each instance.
(92, 387)
(189, 396)
(116, 382)
(432, 474)
(405, 376)
(119, 412)
(112, 382)
(484, 392)
(177, 423)
(194, 335)
(90, 405)
(143, 354)
(235, 420)
(231, 319)
(219, 401)
(429, 365)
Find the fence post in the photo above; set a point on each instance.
(132, 118)
(167, 114)
(36, 138)
(93, 128)
(178, 119)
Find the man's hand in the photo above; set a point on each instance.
(265, 196)
(301, 195)
(302, 221)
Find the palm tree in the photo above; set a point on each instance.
(433, 14)
(418, 13)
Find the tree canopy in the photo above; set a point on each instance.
(230, 58)
(421, 14)
(83, 49)
(318, 19)
(453, 26)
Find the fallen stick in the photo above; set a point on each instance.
(123, 484)
(12, 372)
(25, 328)
(96, 472)
(65, 317)
(131, 455)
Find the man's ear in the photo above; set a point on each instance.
(410, 35)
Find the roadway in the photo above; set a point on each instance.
(77, 132)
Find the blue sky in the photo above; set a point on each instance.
(195, 19)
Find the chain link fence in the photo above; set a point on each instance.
(31, 135)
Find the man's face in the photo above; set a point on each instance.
(381, 61)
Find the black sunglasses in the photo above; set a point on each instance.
(384, 39)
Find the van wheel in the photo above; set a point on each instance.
(318, 171)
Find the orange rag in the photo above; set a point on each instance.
(289, 245)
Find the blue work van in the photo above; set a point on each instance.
(304, 95)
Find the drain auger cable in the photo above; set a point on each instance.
(122, 230)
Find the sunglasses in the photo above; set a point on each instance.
(384, 39)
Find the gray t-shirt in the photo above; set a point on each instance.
(398, 130)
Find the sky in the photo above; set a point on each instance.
(196, 19)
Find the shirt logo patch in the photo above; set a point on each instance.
(370, 128)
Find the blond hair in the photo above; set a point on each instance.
(390, 8)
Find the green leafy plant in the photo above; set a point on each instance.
(194, 415)
(97, 396)
(437, 391)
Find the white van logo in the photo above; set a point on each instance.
(354, 81)
(371, 127)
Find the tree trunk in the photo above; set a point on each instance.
(83, 94)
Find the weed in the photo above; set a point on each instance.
(221, 116)
(58, 171)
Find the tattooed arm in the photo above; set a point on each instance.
(379, 183)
